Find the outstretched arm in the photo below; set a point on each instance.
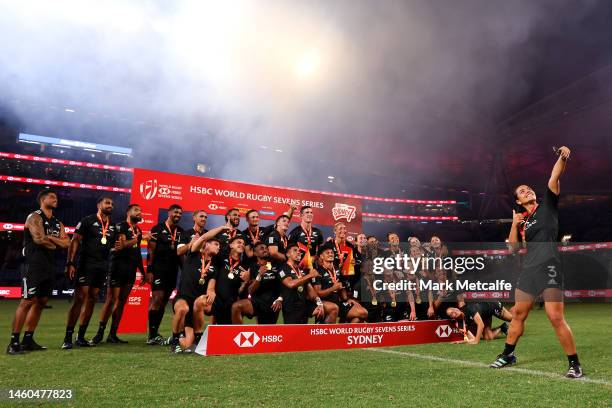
(558, 169)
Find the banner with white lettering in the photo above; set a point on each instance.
(252, 339)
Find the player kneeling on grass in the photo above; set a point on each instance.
(331, 289)
(478, 320)
(196, 274)
(264, 291)
(298, 294)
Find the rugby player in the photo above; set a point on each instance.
(43, 235)
(95, 236)
(478, 319)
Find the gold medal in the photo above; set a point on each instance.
(418, 301)
(393, 304)
(230, 275)
(374, 302)
(300, 289)
(103, 240)
(172, 246)
(201, 281)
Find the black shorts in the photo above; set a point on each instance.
(190, 302)
(222, 310)
(94, 275)
(263, 311)
(164, 280)
(120, 277)
(345, 308)
(37, 281)
(534, 280)
(495, 308)
(298, 315)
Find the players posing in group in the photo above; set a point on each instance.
(227, 274)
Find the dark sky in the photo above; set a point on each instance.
(389, 97)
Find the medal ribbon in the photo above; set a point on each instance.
(255, 237)
(308, 235)
(173, 234)
(296, 270)
(233, 265)
(104, 227)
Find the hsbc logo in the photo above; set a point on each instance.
(213, 206)
(340, 211)
(164, 191)
(148, 189)
(246, 339)
(443, 331)
(8, 227)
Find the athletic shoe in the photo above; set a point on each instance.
(14, 349)
(32, 346)
(97, 339)
(575, 371)
(504, 361)
(156, 341)
(67, 345)
(115, 340)
(504, 328)
(83, 343)
(176, 349)
(189, 350)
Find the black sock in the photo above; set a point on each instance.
(82, 331)
(197, 336)
(573, 360)
(175, 338)
(509, 349)
(113, 331)
(152, 324)
(101, 328)
(28, 337)
(15, 337)
(69, 333)
(160, 316)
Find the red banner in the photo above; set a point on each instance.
(59, 183)
(155, 190)
(10, 292)
(134, 318)
(252, 339)
(52, 160)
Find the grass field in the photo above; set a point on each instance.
(422, 376)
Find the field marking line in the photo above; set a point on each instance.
(483, 365)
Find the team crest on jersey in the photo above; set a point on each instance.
(344, 211)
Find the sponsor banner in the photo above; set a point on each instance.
(410, 217)
(487, 295)
(10, 292)
(252, 339)
(58, 183)
(11, 226)
(561, 248)
(134, 318)
(154, 190)
(588, 293)
(64, 162)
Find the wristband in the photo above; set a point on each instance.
(258, 278)
(319, 301)
(70, 263)
(278, 299)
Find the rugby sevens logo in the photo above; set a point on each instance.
(148, 189)
(340, 211)
(246, 339)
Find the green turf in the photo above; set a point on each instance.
(139, 375)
